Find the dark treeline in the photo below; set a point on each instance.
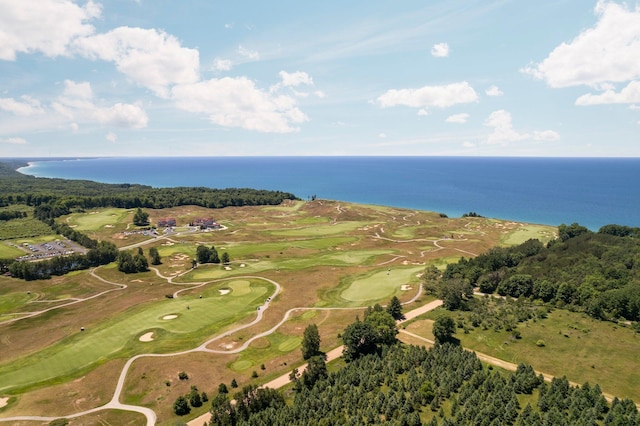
(403, 383)
(102, 254)
(61, 195)
(52, 198)
(598, 273)
(12, 214)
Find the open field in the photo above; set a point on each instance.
(316, 262)
(575, 345)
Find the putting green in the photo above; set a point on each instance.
(240, 287)
(289, 344)
(198, 319)
(380, 285)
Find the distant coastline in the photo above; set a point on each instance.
(591, 191)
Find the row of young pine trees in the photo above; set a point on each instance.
(385, 382)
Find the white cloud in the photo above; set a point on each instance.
(247, 53)
(46, 26)
(295, 79)
(151, 58)
(458, 118)
(222, 64)
(430, 96)
(14, 141)
(423, 112)
(76, 104)
(493, 91)
(503, 132)
(634, 107)
(382, 135)
(545, 136)
(320, 94)
(468, 144)
(608, 52)
(27, 107)
(111, 137)
(237, 102)
(440, 50)
(629, 94)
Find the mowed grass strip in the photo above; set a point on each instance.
(196, 320)
(380, 285)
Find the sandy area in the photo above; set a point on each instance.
(224, 291)
(169, 317)
(405, 287)
(227, 268)
(4, 401)
(147, 337)
(108, 226)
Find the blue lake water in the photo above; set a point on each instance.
(591, 191)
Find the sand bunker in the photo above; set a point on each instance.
(147, 337)
(224, 291)
(405, 287)
(108, 226)
(4, 401)
(169, 317)
(227, 268)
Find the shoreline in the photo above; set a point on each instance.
(450, 185)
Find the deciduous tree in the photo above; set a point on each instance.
(310, 342)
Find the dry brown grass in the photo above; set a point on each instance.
(412, 237)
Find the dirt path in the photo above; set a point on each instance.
(333, 354)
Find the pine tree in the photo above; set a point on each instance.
(395, 308)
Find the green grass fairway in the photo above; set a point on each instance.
(9, 252)
(193, 324)
(271, 346)
(247, 249)
(320, 230)
(10, 302)
(380, 285)
(96, 220)
(527, 232)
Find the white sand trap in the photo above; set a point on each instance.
(224, 291)
(242, 265)
(227, 268)
(405, 287)
(4, 401)
(147, 337)
(169, 317)
(108, 226)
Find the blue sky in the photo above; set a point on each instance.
(214, 78)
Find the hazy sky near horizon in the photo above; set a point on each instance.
(205, 77)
